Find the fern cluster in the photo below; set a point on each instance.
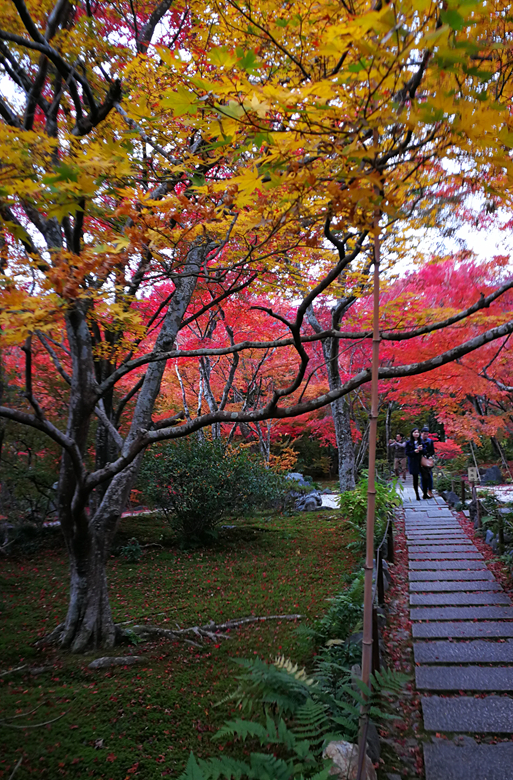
(292, 716)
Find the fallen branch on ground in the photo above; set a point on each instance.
(211, 631)
(31, 725)
(11, 671)
(16, 768)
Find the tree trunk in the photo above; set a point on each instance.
(346, 459)
(339, 410)
(89, 622)
(89, 521)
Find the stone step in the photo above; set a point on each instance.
(439, 539)
(439, 531)
(424, 517)
(454, 586)
(446, 761)
(490, 715)
(474, 652)
(450, 630)
(457, 599)
(451, 564)
(446, 556)
(441, 549)
(465, 678)
(461, 613)
(445, 575)
(431, 524)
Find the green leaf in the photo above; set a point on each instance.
(192, 770)
(232, 109)
(454, 19)
(180, 101)
(247, 59)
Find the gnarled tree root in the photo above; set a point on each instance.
(193, 635)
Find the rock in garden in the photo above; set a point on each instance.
(451, 498)
(345, 761)
(489, 536)
(123, 660)
(295, 476)
(308, 503)
(492, 476)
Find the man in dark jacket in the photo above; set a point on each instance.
(426, 472)
(398, 448)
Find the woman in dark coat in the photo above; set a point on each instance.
(426, 473)
(413, 453)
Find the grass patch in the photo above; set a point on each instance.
(142, 721)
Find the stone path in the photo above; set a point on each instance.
(462, 627)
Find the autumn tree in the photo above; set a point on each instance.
(253, 152)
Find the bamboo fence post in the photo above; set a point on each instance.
(367, 644)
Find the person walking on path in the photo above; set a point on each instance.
(398, 448)
(413, 454)
(426, 463)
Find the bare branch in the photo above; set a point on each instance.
(99, 410)
(55, 360)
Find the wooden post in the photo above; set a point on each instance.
(379, 577)
(376, 665)
(390, 543)
(477, 503)
(462, 491)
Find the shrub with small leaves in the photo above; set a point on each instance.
(196, 484)
(131, 552)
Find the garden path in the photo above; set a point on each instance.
(462, 628)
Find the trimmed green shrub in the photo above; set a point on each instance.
(197, 484)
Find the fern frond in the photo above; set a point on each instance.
(266, 767)
(281, 662)
(311, 720)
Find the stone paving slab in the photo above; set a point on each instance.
(437, 536)
(434, 537)
(440, 549)
(465, 678)
(451, 575)
(446, 761)
(447, 564)
(431, 522)
(491, 715)
(448, 556)
(450, 630)
(474, 652)
(461, 613)
(436, 528)
(453, 586)
(438, 599)
(437, 532)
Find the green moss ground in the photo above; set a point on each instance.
(142, 721)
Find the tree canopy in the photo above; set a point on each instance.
(165, 166)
